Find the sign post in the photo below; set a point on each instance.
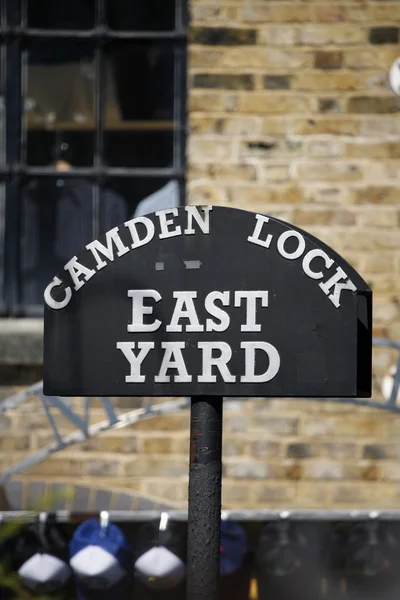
(207, 302)
(204, 507)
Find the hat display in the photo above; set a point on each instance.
(234, 547)
(160, 566)
(44, 573)
(288, 561)
(100, 558)
(277, 550)
(41, 555)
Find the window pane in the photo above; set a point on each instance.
(2, 224)
(46, 148)
(59, 14)
(121, 198)
(151, 15)
(2, 163)
(2, 106)
(139, 149)
(56, 222)
(143, 79)
(59, 103)
(139, 128)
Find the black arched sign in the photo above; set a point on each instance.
(207, 301)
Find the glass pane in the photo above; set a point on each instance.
(2, 105)
(2, 163)
(58, 14)
(56, 223)
(143, 77)
(45, 148)
(140, 105)
(141, 15)
(2, 224)
(59, 102)
(125, 198)
(138, 149)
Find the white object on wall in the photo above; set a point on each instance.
(394, 77)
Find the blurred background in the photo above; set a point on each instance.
(279, 107)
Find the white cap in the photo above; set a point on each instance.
(159, 568)
(44, 573)
(97, 568)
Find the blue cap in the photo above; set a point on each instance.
(101, 559)
(234, 547)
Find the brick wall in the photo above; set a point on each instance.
(290, 115)
(277, 453)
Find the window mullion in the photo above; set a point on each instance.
(99, 116)
(13, 138)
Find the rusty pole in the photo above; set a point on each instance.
(204, 511)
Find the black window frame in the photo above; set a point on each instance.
(14, 171)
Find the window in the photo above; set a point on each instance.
(93, 121)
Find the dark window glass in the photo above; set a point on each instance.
(59, 102)
(2, 249)
(56, 222)
(152, 15)
(91, 124)
(58, 14)
(2, 164)
(143, 80)
(139, 148)
(122, 197)
(139, 125)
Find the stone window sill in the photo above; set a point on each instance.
(21, 342)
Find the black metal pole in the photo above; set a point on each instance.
(204, 512)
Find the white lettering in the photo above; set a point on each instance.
(75, 269)
(184, 309)
(311, 256)
(219, 362)
(250, 362)
(202, 221)
(57, 305)
(135, 362)
(139, 310)
(96, 247)
(255, 237)
(300, 248)
(132, 226)
(250, 297)
(337, 287)
(215, 311)
(164, 223)
(173, 359)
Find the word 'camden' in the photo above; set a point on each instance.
(290, 245)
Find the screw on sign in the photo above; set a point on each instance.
(207, 302)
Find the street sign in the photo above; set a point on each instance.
(207, 301)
